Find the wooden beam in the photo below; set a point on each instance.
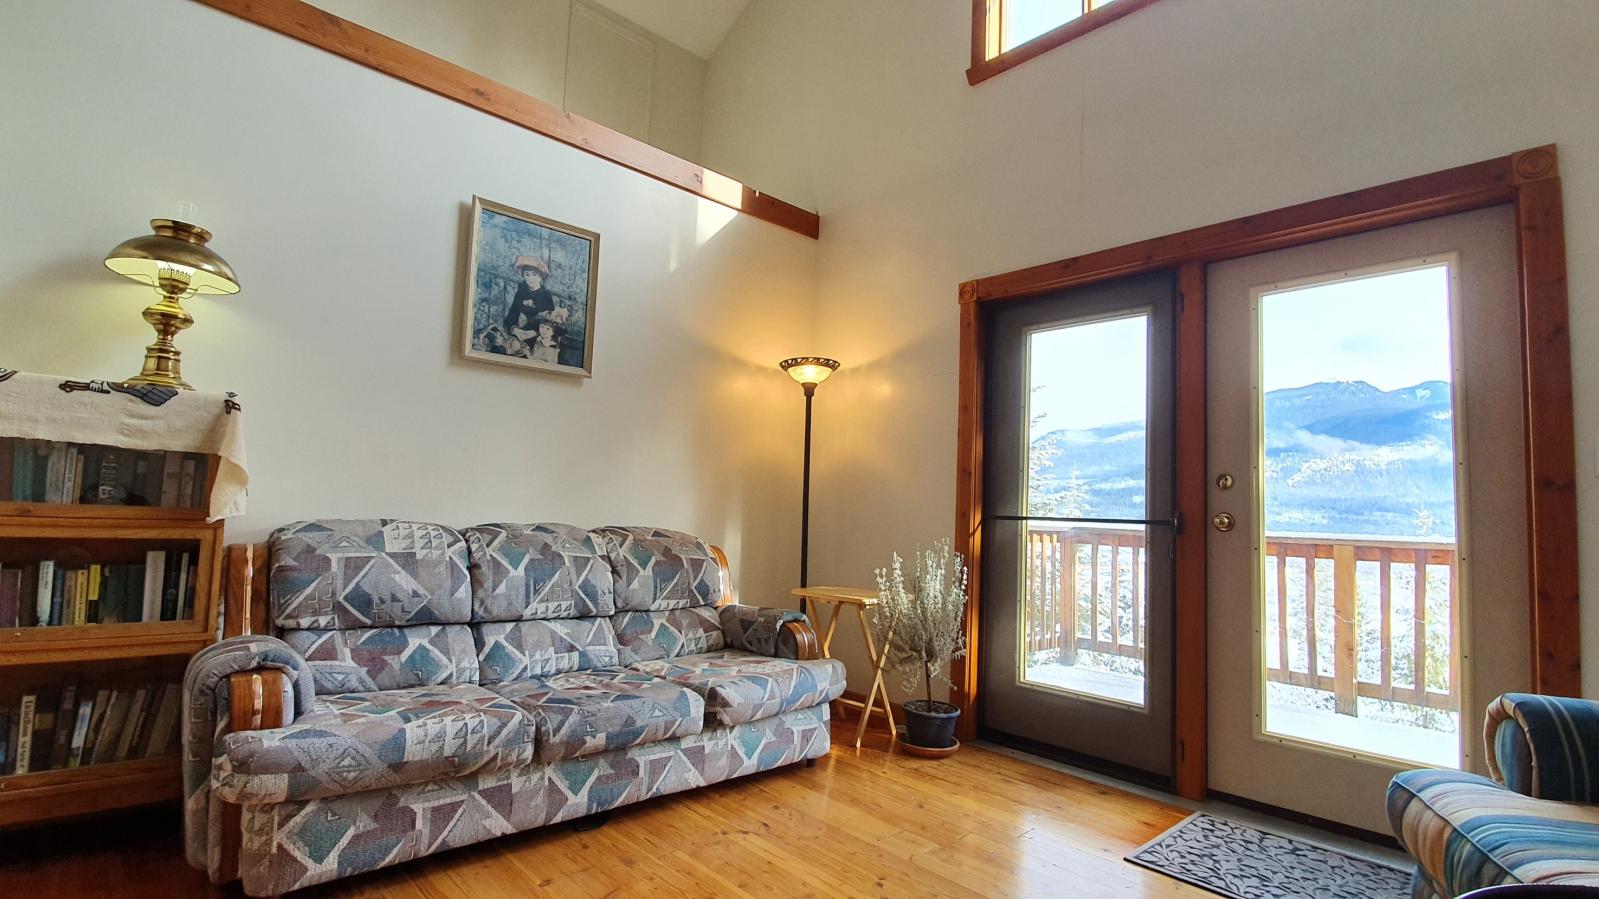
(965, 677)
(306, 23)
(1551, 439)
(1427, 196)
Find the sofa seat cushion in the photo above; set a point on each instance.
(579, 713)
(741, 686)
(1467, 832)
(353, 742)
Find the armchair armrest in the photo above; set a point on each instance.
(1546, 747)
(780, 633)
(244, 682)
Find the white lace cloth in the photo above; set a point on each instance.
(138, 417)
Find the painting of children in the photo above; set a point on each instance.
(530, 291)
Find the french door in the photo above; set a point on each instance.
(1368, 544)
(1078, 525)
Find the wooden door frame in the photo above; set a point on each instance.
(1529, 181)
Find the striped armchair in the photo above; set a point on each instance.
(1535, 822)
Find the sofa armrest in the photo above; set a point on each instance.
(781, 633)
(273, 682)
(1546, 747)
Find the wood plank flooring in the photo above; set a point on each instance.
(861, 823)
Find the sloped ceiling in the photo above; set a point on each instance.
(697, 26)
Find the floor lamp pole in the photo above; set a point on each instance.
(805, 494)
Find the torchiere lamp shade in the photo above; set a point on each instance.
(809, 370)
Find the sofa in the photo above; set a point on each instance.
(1535, 821)
(423, 688)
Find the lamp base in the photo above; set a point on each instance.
(163, 361)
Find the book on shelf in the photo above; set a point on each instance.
(47, 593)
(88, 726)
(45, 471)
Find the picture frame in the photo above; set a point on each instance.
(529, 296)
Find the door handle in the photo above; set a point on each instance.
(1223, 522)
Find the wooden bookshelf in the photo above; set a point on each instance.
(109, 655)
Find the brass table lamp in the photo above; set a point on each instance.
(177, 263)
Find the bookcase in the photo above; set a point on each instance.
(109, 578)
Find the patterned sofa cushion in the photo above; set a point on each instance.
(522, 572)
(656, 569)
(387, 658)
(337, 574)
(580, 713)
(1467, 832)
(741, 686)
(355, 742)
(517, 650)
(647, 636)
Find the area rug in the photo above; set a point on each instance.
(1233, 860)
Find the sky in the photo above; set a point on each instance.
(1391, 331)
(1027, 19)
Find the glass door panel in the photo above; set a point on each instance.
(1361, 619)
(1084, 615)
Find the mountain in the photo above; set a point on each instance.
(1342, 458)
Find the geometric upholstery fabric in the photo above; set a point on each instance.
(356, 742)
(582, 713)
(657, 569)
(387, 658)
(647, 636)
(343, 573)
(741, 686)
(522, 572)
(517, 650)
(296, 844)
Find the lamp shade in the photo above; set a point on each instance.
(175, 257)
(809, 370)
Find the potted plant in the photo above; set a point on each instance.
(920, 626)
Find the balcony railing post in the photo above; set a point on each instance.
(1344, 646)
(1068, 599)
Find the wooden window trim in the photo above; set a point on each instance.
(307, 23)
(988, 61)
(1529, 182)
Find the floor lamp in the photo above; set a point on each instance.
(808, 371)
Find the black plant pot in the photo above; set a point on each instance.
(930, 725)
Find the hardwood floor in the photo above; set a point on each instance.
(861, 823)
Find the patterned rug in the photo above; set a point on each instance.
(1245, 863)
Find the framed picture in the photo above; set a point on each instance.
(530, 291)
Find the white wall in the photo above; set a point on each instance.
(1187, 113)
(339, 196)
(565, 52)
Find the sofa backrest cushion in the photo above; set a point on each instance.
(657, 569)
(336, 574)
(374, 604)
(523, 572)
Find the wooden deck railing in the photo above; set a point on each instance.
(1085, 587)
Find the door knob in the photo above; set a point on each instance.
(1223, 522)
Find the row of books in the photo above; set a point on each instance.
(51, 594)
(46, 471)
(70, 727)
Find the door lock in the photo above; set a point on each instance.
(1223, 522)
(1224, 482)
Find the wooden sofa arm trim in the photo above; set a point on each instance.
(805, 641)
(256, 703)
